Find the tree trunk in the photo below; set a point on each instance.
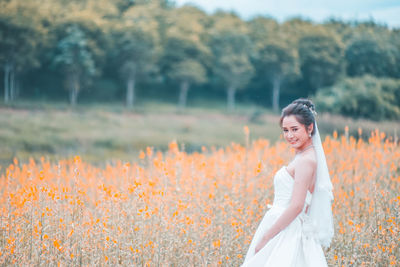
(7, 69)
(276, 88)
(17, 88)
(74, 89)
(12, 85)
(183, 95)
(231, 98)
(130, 91)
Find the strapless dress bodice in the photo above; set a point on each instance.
(283, 187)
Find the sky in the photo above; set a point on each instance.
(381, 11)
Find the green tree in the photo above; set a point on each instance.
(296, 28)
(321, 59)
(80, 42)
(263, 30)
(278, 61)
(136, 56)
(366, 96)
(75, 59)
(232, 50)
(187, 72)
(186, 55)
(276, 57)
(22, 35)
(395, 41)
(368, 55)
(345, 30)
(136, 44)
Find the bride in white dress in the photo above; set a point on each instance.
(300, 220)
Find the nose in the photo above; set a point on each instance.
(290, 134)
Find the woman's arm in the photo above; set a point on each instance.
(304, 171)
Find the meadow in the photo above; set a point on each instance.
(105, 133)
(174, 208)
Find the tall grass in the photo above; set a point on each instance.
(198, 209)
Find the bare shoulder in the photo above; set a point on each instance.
(306, 163)
(307, 159)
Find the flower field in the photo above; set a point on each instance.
(199, 209)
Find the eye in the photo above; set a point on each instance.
(285, 130)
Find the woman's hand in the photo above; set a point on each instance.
(262, 243)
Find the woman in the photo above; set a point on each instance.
(300, 219)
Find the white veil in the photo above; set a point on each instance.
(321, 204)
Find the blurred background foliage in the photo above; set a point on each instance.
(106, 78)
(128, 50)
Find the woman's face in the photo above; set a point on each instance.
(296, 133)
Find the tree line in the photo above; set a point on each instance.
(117, 48)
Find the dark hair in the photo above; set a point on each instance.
(303, 109)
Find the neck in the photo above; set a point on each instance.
(304, 148)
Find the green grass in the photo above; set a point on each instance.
(102, 133)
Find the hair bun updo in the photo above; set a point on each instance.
(306, 102)
(304, 111)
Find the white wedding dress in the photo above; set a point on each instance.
(294, 246)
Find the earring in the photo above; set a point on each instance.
(309, 134)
